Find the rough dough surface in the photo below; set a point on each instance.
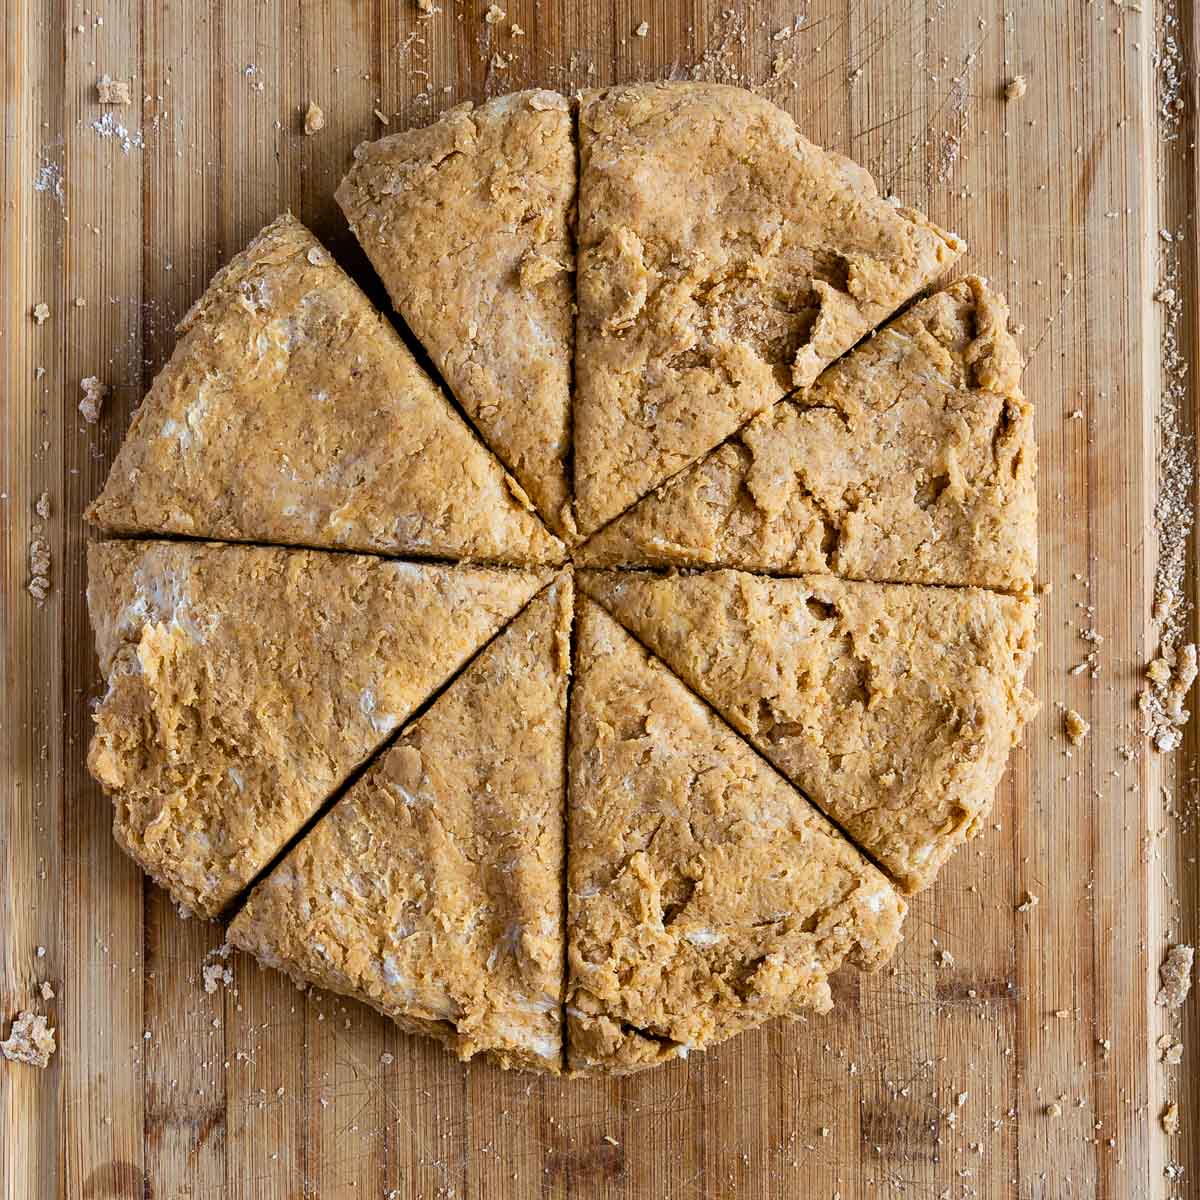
(292, 412)
(892, 707)
(433, 889)
(700, 369)
(706, 895)
(244, 684)
(912, 459)
(469, 223)
(723, 261)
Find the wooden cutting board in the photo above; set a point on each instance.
(942, 1076)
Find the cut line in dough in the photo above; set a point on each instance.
(706, 895)
(892, 707)
(911, 459)
(245, 684)
(291, 413)
(432, 889)
(724, 261)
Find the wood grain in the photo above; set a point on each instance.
(935, 1077)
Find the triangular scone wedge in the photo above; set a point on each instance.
(723, 261)
(245, 684)
(892, 707)
(705, 894)
(912, 459)
(433, 888)
(291, 412)
(468, 222)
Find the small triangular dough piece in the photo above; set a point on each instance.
(291, 412)
(433, 888)
(245, 684)
(705, 894)
(723, 261)
(892, 707)
(468, 222)
(910, 460)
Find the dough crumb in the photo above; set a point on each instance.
(382, 117)
(42, 507)
(46, 989)
(30, 1040)
(40, 312)
(1170, 1050)
(39, 569)
(1029, 901)
(216, 974)
(642, 30)
(214, 970)
(1175, 972)
(1077, 728)
(425, 8)
(386, 1060)
(94, 393)
(945, 958)
(612, 1141)
(1169, 1118)
(494, 15)
(1159, 671)
(314, 118)
(1054, 1109)
(113, 91)
(1170, 677)
(516, 30)
(1016, 87)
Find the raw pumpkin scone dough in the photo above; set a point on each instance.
(244, 684)
(911, 459)
(433, 888)
(468, 223)
(705, 894)
(601, 881)
(723, 261)
(892, 707)
(292, 412)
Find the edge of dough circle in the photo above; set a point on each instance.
(601, 698)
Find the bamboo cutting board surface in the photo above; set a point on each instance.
(938, 1077)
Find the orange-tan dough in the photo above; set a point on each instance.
(433, 889)
(469, 223)
(723, 261)
(705, 894)
(291, 412)
(892, 707)
(244, 685)
(911, 459)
